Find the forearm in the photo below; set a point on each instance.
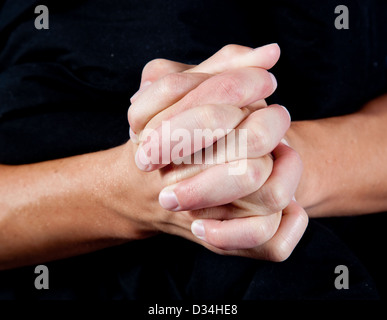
(55, 209)
(344, 162)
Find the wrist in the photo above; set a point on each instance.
(128, 193)
(101, 176)
(311, 190)
(56, 209)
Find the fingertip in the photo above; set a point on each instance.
(271, 52)
(274, 81)
(275, 50)
(287, 112)
(281, 108)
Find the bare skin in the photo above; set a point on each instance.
(344, 162)
(71, 206)
(66, 207)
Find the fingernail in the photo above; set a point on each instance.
(197, 229)
(168, 200)
(290, 117)
(274, 80)
(142, 88)
(142, 160)
(133, 136)
(283, 140)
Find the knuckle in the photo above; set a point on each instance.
(280, 252)
(252, 178)
(231, 50)
(208, 117)
(284, 246)
(172, 82)
(264, 230)
(253, 175)
(216, 239)
(230, 88)
(259, 140)
(279, 197)
(304, 218)
(156, 65)
(261, 233)
(134, 117)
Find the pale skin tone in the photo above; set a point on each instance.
(71, 206)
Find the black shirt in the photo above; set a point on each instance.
(66, 90)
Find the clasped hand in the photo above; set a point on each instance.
(241, 202)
